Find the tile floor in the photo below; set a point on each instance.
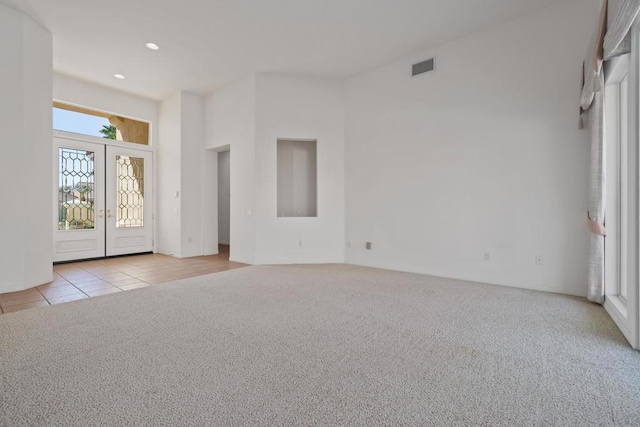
(86, 279)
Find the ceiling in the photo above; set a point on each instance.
(205, 44)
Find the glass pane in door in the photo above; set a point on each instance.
(75, 189)
(129, 191)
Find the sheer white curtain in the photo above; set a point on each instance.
(611, 38)
(595, 214)
(620, 17)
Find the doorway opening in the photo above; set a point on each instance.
(224, 202)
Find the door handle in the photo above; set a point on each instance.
(109, 215)
(101, 213)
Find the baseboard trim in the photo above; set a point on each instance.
(17, 288)
(471, 278)
(310, 260)
(421, 270)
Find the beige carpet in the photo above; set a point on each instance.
(318, 345)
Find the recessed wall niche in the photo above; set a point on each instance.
(297, 178)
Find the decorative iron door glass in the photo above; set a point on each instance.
(76, 195)
(130, 191)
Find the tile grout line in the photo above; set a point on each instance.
(73, 284)
(45, 298)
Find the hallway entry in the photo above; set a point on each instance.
(224, 197)
(103, 199)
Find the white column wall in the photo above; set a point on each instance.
(187, 183)
(26, 252)
(168, 167)
(192, 162)
(291, 107)
(230, 121)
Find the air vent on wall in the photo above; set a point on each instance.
(423, 67)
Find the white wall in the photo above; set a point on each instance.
(290, 107)
(168, 166)
(224, 191)
(182, 188)
(192, 164)
(481, 155)
(82, 93)
(285, 178)
(249, 117)
(26, 252)
(230, 123)
(305, 174)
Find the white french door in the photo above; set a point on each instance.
(79, 226)
(103, 200)
(128, 201)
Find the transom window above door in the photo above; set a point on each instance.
(71, 118)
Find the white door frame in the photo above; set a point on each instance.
(70, 138)
(97, 140)
(622, 250)
(633, 308)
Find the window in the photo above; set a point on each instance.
(616, 217)
(85, 124)
(297, 178)
(84, 121)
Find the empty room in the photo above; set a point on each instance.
(320, 212)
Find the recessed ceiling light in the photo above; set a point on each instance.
(153, 46)
(119, 76)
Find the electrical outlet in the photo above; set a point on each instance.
(487, 256)
(300, 243)
(539, 260)
(368, 245)
(349, 244)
